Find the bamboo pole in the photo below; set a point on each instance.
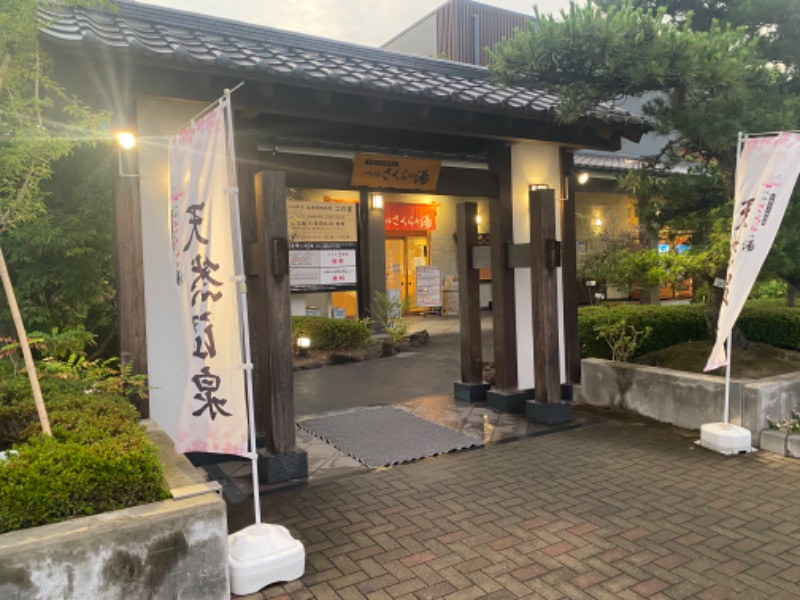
(23, 342)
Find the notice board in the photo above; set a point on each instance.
(429, 286)
(323, 245)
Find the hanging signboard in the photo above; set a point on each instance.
(409, 217)
(429, 286)
(386, 171)
(323, 245)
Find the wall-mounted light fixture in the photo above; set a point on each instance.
(478, 219)
(583, 178)
(598, 222)
(377, 201)
(126, 141)
(539, 186)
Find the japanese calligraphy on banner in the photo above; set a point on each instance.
(765, 177)
(213, 416)
(409, 217)
(385, 171)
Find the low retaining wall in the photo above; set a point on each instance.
(687, 400)
(177, 548)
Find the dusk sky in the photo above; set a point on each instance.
(370, 22)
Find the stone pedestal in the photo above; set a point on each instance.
(277, 468)
(551, 413)
(471, 392)
(507, 402)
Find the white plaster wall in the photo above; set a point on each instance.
(166, 360)
(418, 39)
(531, 163)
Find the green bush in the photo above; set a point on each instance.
(98, 459)
(331, 334)
(771, 322)
(669, 325)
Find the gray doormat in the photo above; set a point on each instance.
(379, 436)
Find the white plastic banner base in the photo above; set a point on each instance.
(725, 438)
(261, 555)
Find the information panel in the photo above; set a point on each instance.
(429, 286)
(323, 246)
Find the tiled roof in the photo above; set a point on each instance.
(151, 32)
(606, 161)
(592, 160)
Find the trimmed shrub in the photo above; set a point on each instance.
(670, 325)
(331, 334)
(55, 479)
(771, 322)
(99, 458)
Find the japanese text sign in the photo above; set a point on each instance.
(396, 172)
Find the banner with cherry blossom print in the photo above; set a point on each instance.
(213, 415)
(765, 176)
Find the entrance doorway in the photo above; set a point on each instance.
(403, 256)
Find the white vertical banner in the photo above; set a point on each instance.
(765, 177)
(213, 415)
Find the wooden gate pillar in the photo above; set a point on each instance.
(130, 261)
(267, 267)
(545, 252)
(471, 387)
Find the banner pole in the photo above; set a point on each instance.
(726, 416)
(243, 317)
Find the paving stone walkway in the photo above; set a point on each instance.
(618, 508)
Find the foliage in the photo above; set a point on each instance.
(61, 261)
(669, 325)
(701, 82)
(792, 424)
(40, 121)
(771, 322)
(620, 261)
(331, 334)
(98, 459)
(766, 321)
(770, 288)
(623, 339)
(387, 312)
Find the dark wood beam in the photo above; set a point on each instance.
(307, 131)
(324, 97)
(372, 253)
(270, 193)
(130, 262)
(544, 297)
(501, 221)
(336, 173)
(569, 271)
(468, 294)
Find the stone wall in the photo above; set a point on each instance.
(170, 549)
(687, 400)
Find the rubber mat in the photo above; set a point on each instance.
(379, 436)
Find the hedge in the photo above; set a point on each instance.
(331, 334)
(767, 321)
(98, 459)
(670, 325)
(771, 322)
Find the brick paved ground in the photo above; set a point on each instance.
(619, 509)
